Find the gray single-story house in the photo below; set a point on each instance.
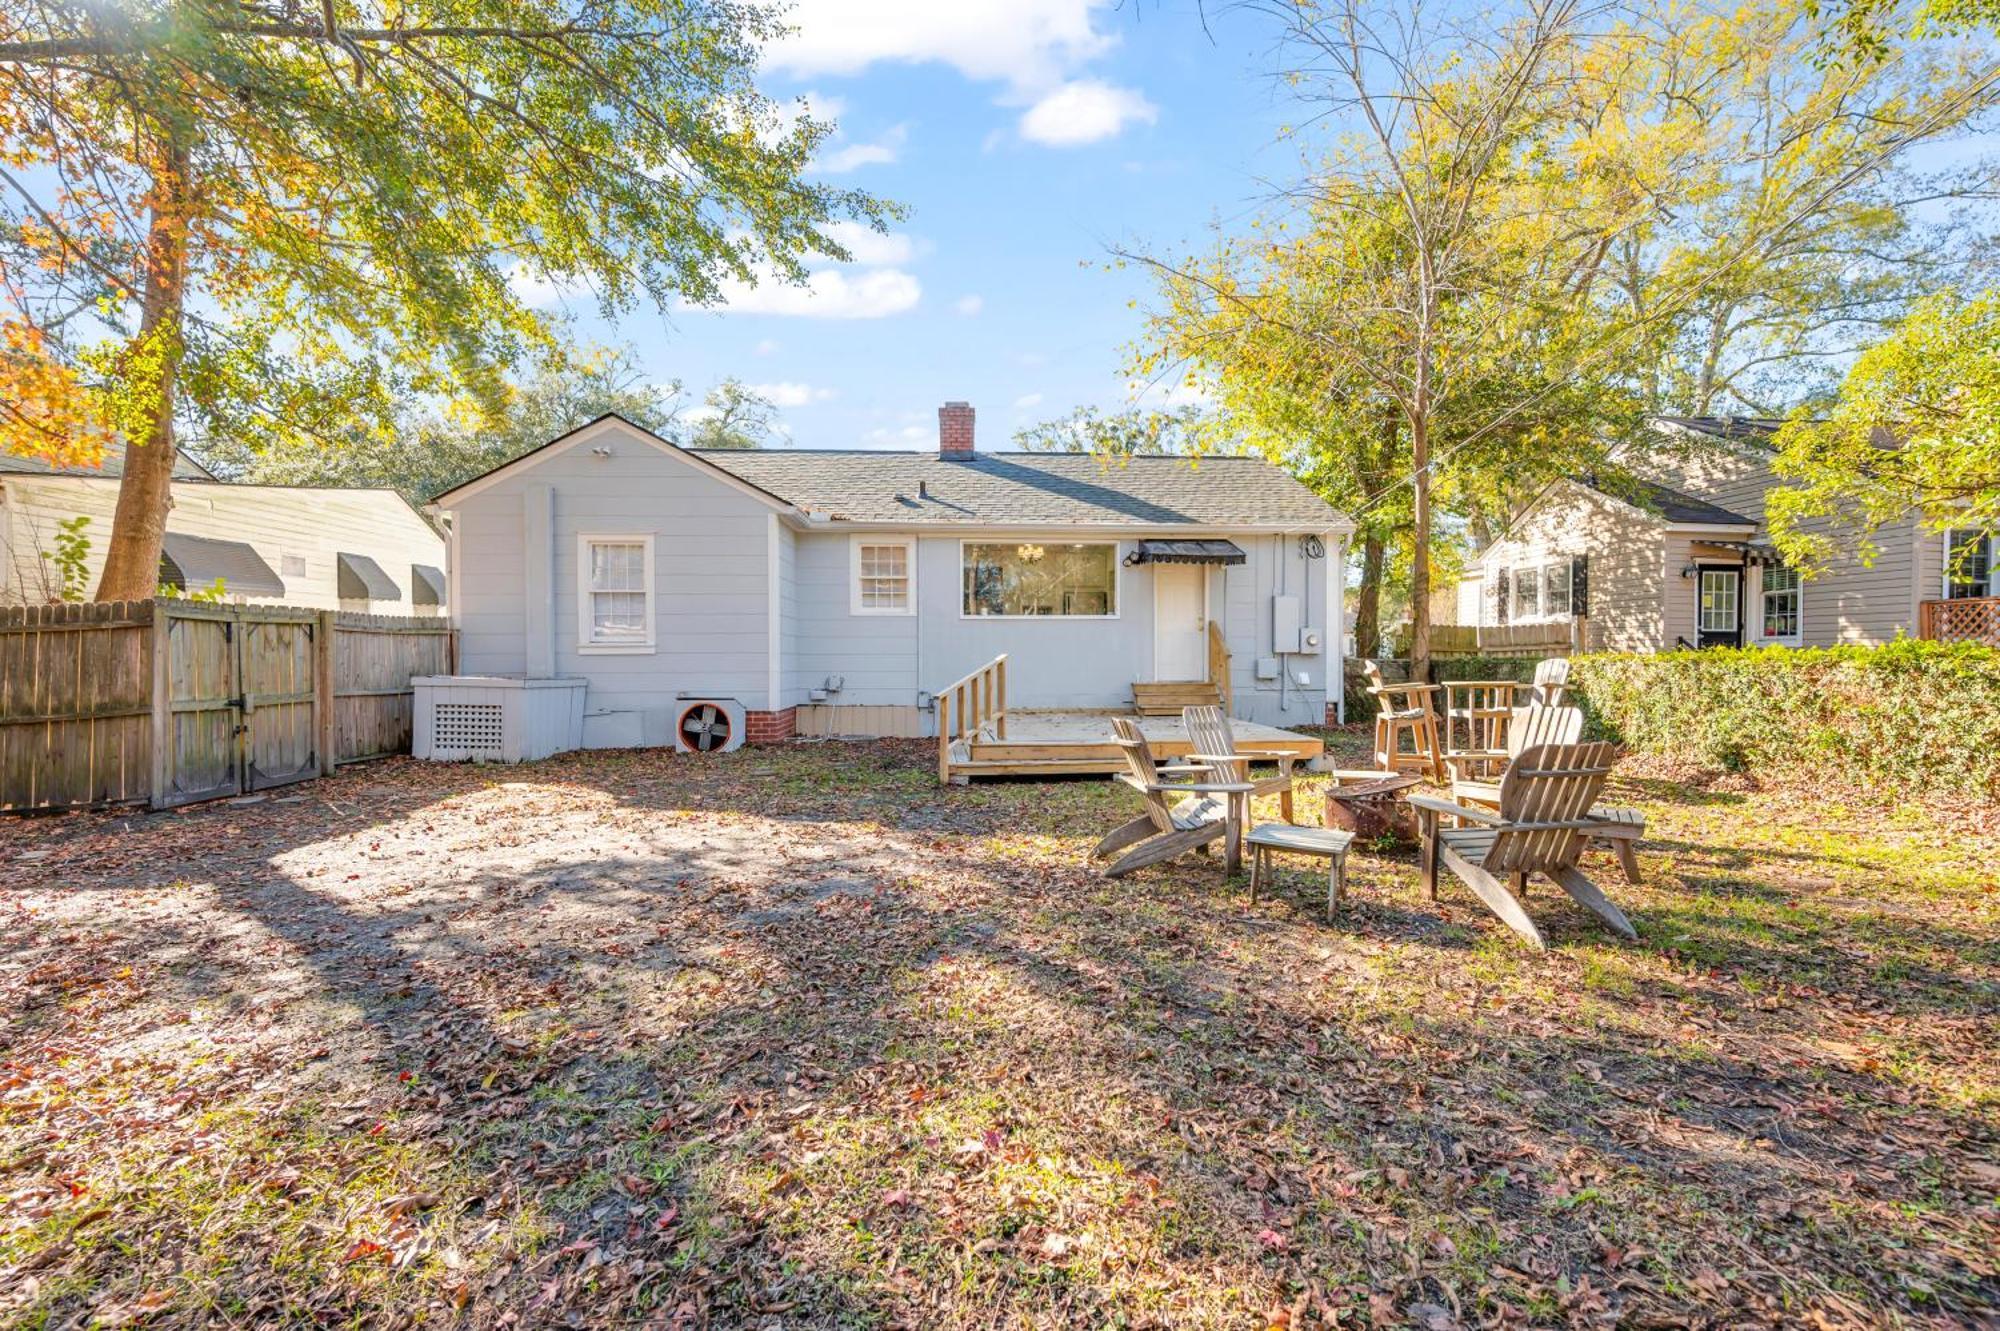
(837, 591)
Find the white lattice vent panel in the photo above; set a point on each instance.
(473, 729)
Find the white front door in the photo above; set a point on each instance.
(1180, 622)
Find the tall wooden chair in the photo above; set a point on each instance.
(1183, 813)
(1617, 828)
(1541, 827)
(1404, 709)
(1214, 744)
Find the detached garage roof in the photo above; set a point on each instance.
(194, 562)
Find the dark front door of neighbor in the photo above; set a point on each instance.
(1718, 608)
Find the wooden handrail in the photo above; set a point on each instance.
(1218, 664)
(965, 705)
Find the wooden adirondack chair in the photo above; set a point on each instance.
(1200, 811)
(1617, 828)
(1542, 827)
(1527, 727)
(1208, 730)
(1551, 682)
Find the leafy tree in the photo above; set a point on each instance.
(732, 415)
(1134, 431)
(1916, 424)
(278, 221)
(430, 448)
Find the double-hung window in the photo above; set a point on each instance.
(1780, 596)
(884, 575)
(1528, 593)
(1555, 602)
(614, 592)
(1968, 564)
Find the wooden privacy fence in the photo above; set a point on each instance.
(168, 702)
(1560, 637)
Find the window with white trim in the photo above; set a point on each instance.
(1555, 601)
(1527, 593)
(1779, 593)
(1032, 579)
(1968, 564)
(614, 577)
(884, 575)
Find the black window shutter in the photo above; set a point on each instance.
(1579, 586)
(1501, 588)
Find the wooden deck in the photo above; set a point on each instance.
(1071, 743)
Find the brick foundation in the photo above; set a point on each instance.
(770, 727)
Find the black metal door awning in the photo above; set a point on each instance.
(1187, 552)
(362, 579)
(194, 563)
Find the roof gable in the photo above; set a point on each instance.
(608, 424)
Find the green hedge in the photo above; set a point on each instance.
(1916, 715)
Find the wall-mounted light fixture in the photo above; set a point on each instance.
(601, 450)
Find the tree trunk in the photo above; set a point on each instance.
(1420, 551)
(1368, 602)
(146, 370)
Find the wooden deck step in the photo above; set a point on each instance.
(1168, 697)
(1034, 767)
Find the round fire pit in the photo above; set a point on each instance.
(1368, 806)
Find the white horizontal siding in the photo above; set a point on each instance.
(1628, 559)
(278, 522)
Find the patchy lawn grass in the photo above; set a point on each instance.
(794, 1038)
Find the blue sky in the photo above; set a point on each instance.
(1023, 136)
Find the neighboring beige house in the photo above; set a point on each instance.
(327, 549)
(1683, 560)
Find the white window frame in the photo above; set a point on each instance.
(1533, 578)
(1797, 635)
(1117, 580)
(854, 599)
(586, 642)
(1559, 571)
(1992, 565)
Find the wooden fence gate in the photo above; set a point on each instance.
(170, 702)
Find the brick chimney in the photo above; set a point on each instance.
(955, 430)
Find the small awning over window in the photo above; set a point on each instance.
(362, 579)
(1187, 552)
(1753, 553)
(193, 563)
(426, 585)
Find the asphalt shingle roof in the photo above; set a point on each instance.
(185, 467)
(1673, 505)
(1003, 489)
(1727, 427)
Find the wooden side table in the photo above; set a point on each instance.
(1326, 842)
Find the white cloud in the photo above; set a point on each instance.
(1085, 111)
(969, 305)
(846, 157)
(909, 436)
(831, 293)
(791, 393)
(869, 246)
(540, 292)
(1027, 401)
(766, 347)
(1026, 44)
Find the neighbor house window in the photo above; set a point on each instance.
(1968, 564)
(1035, 578)
(614, 593)
(1781, 602)
(1527, 593)
(883, 574)
(1556, 603)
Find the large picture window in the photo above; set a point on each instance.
(614, 578)
(1035, 578)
